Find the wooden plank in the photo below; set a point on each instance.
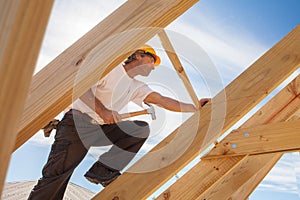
(238, 175)
(292, 91)
(242, 191)
(271, 112)
(246, 189)
(166, 43)
(275, 137)
(22, 26)
(209, 174)
(241, 95)
(75, 70)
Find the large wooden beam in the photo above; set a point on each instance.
(95, 54)
(278, 137)
(237, 176)
(243, 190)
(241, 95)
(225, 147)
(166, 43)
(196, 181)
(22, 25)
(209, 173)
(246, 189)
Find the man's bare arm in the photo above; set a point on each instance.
(172, 104)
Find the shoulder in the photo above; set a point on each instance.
(113, 75)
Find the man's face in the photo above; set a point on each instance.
(145, 64)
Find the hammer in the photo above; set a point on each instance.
(150, 111)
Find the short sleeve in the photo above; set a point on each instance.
(99, 84)
(140, 93)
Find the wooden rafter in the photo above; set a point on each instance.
(75, 70)
(293, 91)
(196, 181)
(166, 43)
(242, 95)
(278, 137)
(234, 178)
(22, 25)
(246, 189)
(243, 191)
(277, 114)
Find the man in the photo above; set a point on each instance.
(94, 120)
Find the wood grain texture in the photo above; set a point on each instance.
(275, 137)
(166, 43)
(242, 95)
(22, 25)
(209, 173)
(237, 176)
(287, 101)
(272, 112)
(248, 187)
(80, 66)
(243, 191)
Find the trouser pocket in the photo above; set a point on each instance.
(56, 161)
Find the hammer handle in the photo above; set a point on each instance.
(133, 114)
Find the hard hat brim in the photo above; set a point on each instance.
(157, 60)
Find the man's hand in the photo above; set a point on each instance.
(110, 116)
(203, 101)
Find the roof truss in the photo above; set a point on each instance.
(241, 95)
(224, 172)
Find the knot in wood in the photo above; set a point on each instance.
(167, 195)
(79, 61)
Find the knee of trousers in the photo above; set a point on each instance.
(142, 129)
(145, 128)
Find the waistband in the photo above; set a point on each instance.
(82, 115)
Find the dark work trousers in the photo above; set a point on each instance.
(75, 134)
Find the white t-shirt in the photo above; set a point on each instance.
(115, 91)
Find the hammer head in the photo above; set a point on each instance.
(151, 111)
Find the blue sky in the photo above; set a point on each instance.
(233, 33)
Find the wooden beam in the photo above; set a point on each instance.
(292, 90)
(209, 173)
(241, 95)
(194, 182)
(241, 191)
(246, 189)
(166, 43)
(238, 175)
(80, 66)
(275, 137)
(22, 25)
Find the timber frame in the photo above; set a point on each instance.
(231, 170)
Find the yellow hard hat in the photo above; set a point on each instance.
(149, 49)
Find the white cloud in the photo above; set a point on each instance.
(231, 51)
(40, 140)
(69, 20)
(283, 176)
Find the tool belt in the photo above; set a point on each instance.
(53, 123)
(84, 116)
